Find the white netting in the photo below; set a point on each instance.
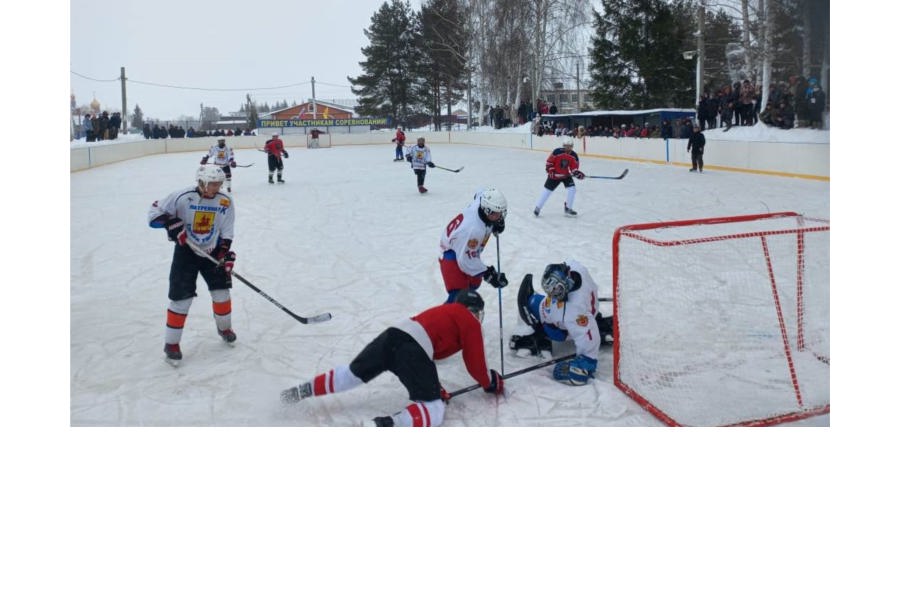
(727, 322)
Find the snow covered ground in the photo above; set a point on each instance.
(349, 234)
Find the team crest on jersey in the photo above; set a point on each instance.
(581, 320)
(203, 223)
(472, 244)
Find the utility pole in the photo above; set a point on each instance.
(701, 49)
(124, 105)
(313, 81)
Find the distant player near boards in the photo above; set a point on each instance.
(275, 149)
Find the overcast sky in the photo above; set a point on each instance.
(171, 49)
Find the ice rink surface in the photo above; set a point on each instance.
(350, 234)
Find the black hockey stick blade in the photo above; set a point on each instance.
(622, 176)
(245, 166)
(546, 363)
(451, 170)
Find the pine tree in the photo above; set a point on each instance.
(392, 65)
(446, 39)
(137, 117)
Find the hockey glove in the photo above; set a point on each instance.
(445, 395)
(233, 164)
(430, 164)
(203, 160)
(409, 158)
(577, 174)
(176, 231)
(227, 261)
(499, 226)
(284, 152)
(576, 371)
(496, 386)
(495, 278)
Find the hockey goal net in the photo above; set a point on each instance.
(724, 321)
(324, 141)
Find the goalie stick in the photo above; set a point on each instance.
(305, 320)
(451, 170)
(622, 176)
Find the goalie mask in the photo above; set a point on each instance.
(556, 281)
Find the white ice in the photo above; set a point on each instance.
(350, 234)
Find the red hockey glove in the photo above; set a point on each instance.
(496, 386)
(233, 164)
(445, 395)
(227, 262)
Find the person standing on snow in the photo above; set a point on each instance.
(275, 149)
(223, 157)
(203, 215)
(419, 157)
(400, 140)
(561, 167)
(408, 350)
(464, 239)
(696, 144)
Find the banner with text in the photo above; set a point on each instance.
(374, 121)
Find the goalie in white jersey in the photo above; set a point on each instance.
(464, 239)
(567, 312)
(203, 216)
(223, 157)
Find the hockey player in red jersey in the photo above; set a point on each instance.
(408, 350)
(275, 149)
(400, 140)
(562, 166)
(465, 237)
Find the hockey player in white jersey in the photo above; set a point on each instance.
(464, 239)
(205, 216)
(223, 157)
(419, 157)
(567, 312)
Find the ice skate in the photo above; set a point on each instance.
(570, 212)
(297, 393)
(537, 212)
(271, 179)
(422, 189)
(228, 335)
(383, 421)
(173, 354)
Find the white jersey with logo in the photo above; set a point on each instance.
(206, 220)
(421, 156)
(576, 314)
(220, 156)
(467, 235)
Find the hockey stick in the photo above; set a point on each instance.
(451, 170)
(624, 173)
(305, 320)
(546, 363)
(245, 166)
(500, 305)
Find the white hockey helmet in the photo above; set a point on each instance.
(568, 141)
(210, 174)
(493, 201)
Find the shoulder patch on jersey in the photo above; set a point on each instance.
(581, 320)
(225, 202)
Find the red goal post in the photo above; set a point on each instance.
(724, 321)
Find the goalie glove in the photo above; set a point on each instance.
(576, 371)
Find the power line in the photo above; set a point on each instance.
(182, 87)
